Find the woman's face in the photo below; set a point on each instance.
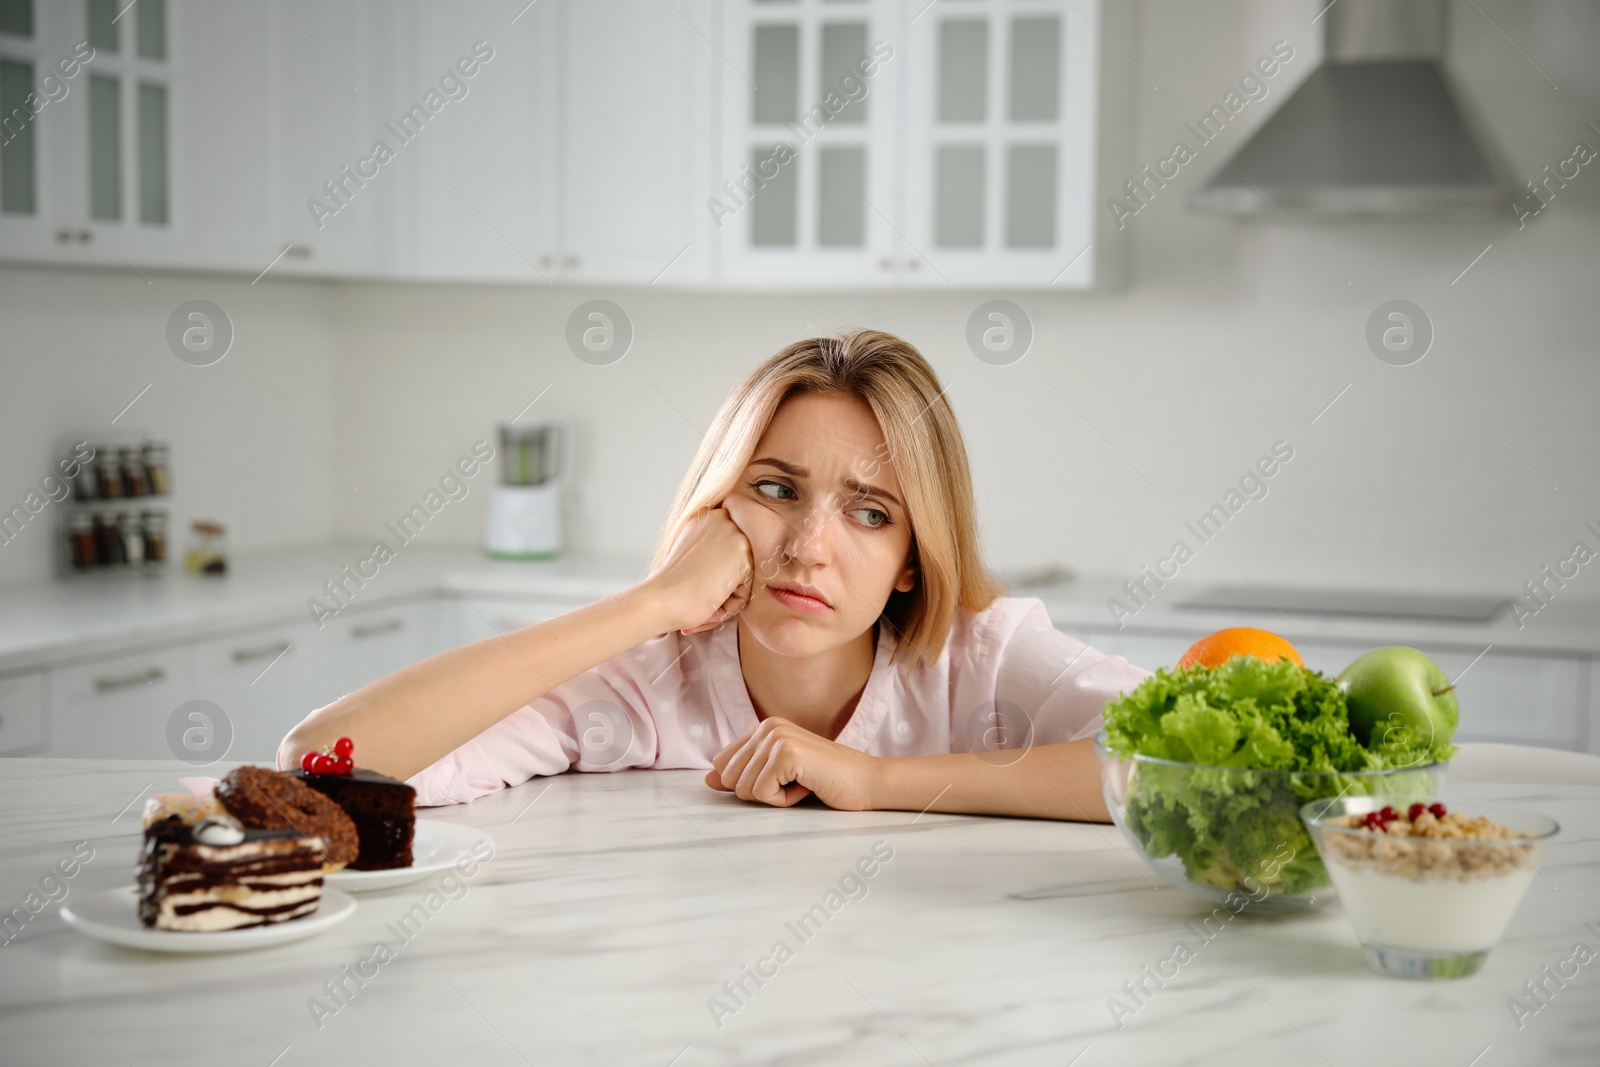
(822, 509)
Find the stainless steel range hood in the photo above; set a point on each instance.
(1374, 132)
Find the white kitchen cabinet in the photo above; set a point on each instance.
(358, 646)
(91, 178)
(481, 184)
(808, 177)
(636, 141)
(22, 714)
(336, 98)
(971, 158)
(476, 618)
(580, 153)
(118, 708)
(1001, 148)
(260, 681)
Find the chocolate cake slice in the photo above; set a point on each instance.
(217, 875)
(384, 810)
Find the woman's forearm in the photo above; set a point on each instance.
(1047, 782)
(405, 721)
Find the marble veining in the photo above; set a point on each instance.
(624, 915)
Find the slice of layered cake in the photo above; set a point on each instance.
(384, 809)
(216, 875)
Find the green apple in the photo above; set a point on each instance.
(1399, 698)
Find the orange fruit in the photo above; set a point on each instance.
(1215, 649)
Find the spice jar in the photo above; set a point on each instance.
(86, 483)
(134, 483)
(110, 475)
(155, 536)
(132, 535)
(107, 543)
(155, 463)
(80, 541)
(207, 553)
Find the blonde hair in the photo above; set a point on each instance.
(924, 443)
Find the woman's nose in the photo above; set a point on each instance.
(808, 543)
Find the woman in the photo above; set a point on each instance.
(817, 621)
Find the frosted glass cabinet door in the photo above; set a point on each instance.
(805, 191)
(1000, 144)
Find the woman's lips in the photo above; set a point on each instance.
(798, 601)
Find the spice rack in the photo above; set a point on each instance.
(115, 517)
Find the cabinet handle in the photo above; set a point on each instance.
(377, 629)
(83, 237)
(63, 236)
(153, 674)
(886, 263)
(547, 260)
(294, 251)
(245, 655)
(913, 264)
(572, 262)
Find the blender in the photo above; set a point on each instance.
(525, 508)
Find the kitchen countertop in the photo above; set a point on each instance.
(51, 623)
(617, 905)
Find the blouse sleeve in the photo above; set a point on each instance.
(1060, 684)
(597, 721)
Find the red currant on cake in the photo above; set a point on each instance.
(344, 765)
(322, 765)
(344, 747)
(308, 762)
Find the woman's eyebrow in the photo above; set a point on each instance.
(787, 468)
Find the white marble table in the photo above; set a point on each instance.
(618, 905)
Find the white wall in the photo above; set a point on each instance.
(1228, 338)
(78, 346)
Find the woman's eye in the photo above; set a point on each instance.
(773, 490)
(870, 517)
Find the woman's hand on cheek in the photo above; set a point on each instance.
(781, 764)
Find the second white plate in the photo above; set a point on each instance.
(436, 846)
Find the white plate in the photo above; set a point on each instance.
(436, 846)
(114, 916)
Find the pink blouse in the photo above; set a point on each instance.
(1005, 679)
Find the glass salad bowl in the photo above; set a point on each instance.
(1427, 905)
(1235, 836)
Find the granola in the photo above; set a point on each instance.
(1426, 845)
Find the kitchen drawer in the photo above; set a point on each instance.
(22, 714)
(479, 618)
(117, 708)
(357, 647)
(258, 680)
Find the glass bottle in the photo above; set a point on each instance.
(107, 543)
(206, 551)
(110, 475)
(134, 483)
(155, 536)
(132, 539)
(80, 541)
(86, 485)
(155, 463)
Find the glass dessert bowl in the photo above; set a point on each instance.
(1429, 889)
(1235, 836)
